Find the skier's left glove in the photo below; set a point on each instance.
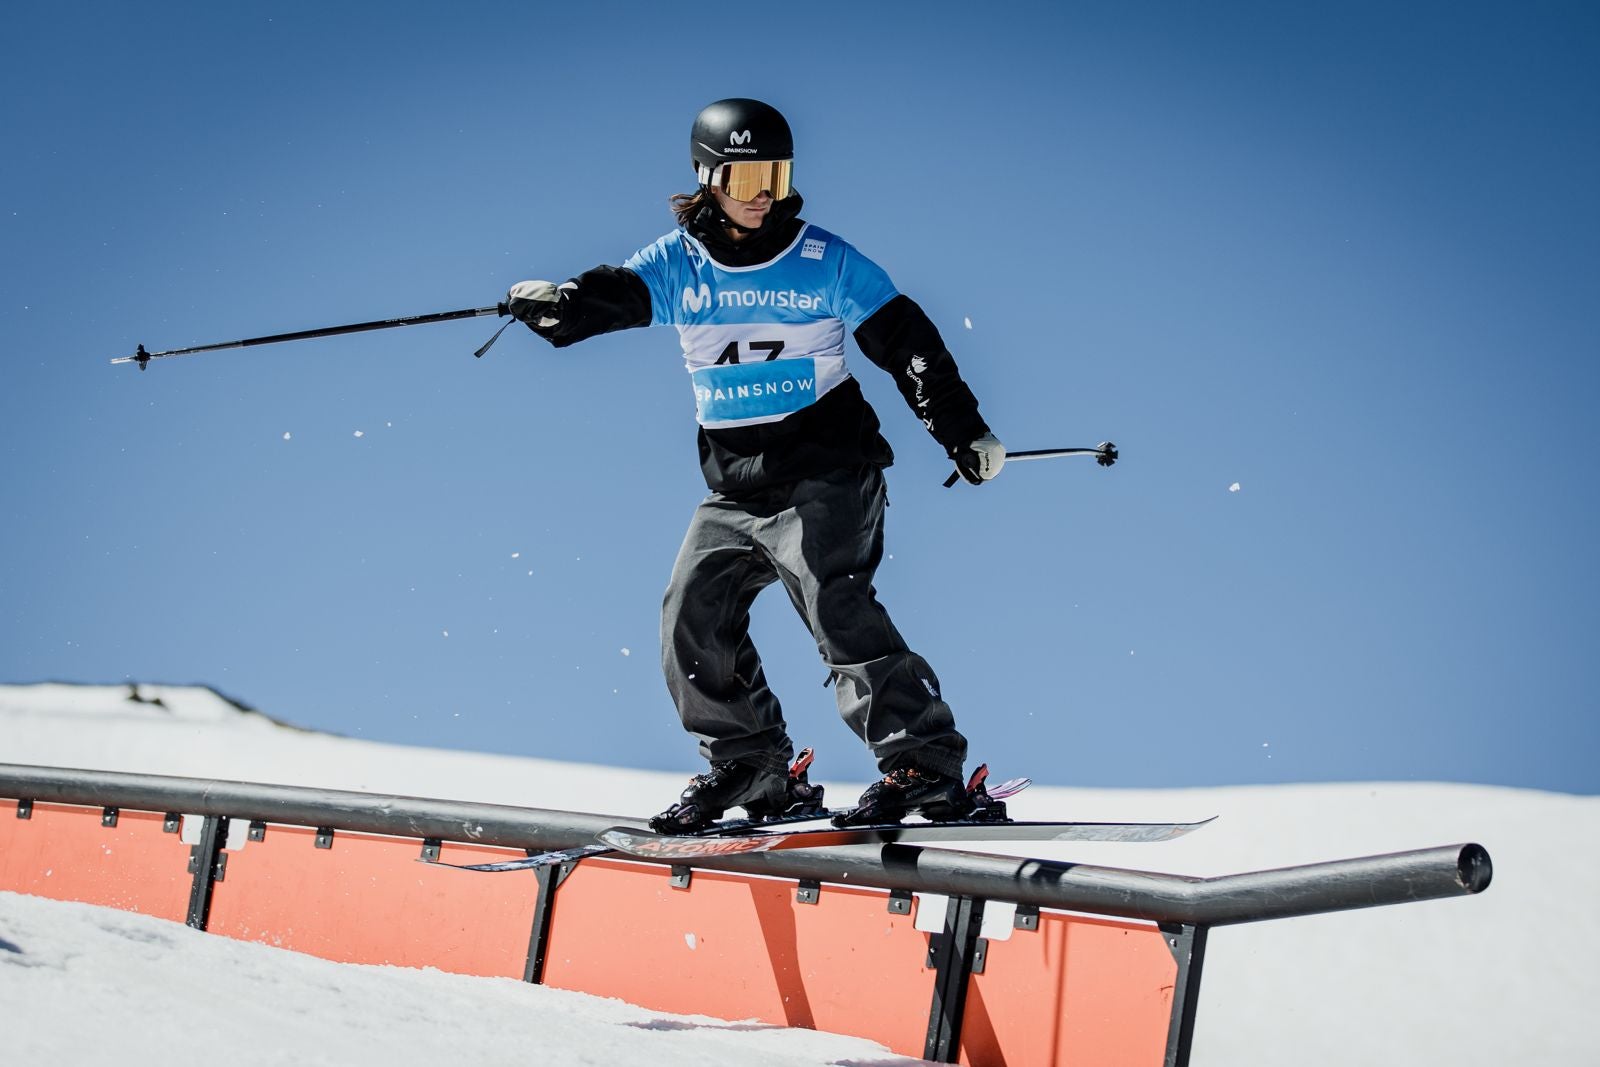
(981, 460)
(538, 304)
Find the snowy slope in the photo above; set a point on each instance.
(1477, 980)
(113, 988)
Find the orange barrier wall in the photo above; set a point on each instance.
(367, 900)
(1077, 991)
(65, 853)
(742, 948)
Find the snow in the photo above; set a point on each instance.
(1502, 977)
(116, 988)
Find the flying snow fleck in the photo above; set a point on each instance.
(516, 555)
(286, 436)
(1234, 488)
(691, 941)
(361, 433)
(627, 652)
(967, 322)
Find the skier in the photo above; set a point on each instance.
(793, 459)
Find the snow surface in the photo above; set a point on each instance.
(116, 988)
(1501, 977)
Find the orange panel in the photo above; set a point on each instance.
(1079, 991)
(368, 900)
(63, 852)
(742, 948)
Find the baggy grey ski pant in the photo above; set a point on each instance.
(822, 538)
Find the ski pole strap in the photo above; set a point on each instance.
(490, 342)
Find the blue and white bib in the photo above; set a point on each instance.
(761, 342)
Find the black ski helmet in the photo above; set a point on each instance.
(738, 129)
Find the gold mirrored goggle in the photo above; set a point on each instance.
(748, 180)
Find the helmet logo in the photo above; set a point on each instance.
(739, 137)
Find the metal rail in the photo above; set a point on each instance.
(1338, 885)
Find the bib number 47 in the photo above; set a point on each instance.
(732, 353)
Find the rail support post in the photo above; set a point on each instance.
(1187, 943)
(953, 954)
(550, 878)
(206, 864)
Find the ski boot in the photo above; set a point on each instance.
(730, 783)
(938, 797)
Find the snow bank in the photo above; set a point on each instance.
(91, 986)
(1501, 977)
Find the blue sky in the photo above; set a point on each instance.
(1342, 258)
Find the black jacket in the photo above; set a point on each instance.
(840, 429)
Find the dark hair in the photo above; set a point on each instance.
(687, 205)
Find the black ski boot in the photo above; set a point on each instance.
(730, 783)
(937, 796)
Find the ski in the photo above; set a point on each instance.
(636, 842)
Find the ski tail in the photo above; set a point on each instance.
(525, 863)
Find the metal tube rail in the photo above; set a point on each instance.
(1371, 881)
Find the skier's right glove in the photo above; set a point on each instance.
(981, 460)
(538, 304)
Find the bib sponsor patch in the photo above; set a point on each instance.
(738, 391)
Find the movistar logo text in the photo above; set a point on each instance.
(739, 137)
(763, 298)
(698, 300)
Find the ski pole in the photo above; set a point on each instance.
(1105, 454)
(143, 358)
